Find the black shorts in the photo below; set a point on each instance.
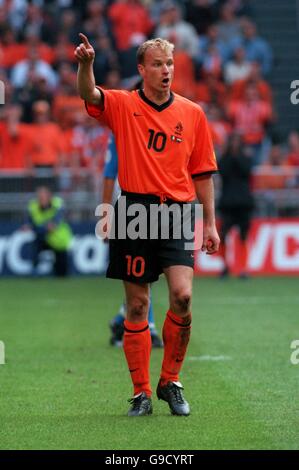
(142, 259)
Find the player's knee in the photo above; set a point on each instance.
(138, 308)
(181, 299)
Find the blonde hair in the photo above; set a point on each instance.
(163, 44)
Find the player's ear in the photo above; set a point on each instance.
(140, 68)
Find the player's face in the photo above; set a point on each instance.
(157, 69)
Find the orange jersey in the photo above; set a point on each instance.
(160, 148)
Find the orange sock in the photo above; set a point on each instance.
(176, 334)
(137, 348)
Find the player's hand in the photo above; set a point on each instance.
(84, 53)
(211, 240)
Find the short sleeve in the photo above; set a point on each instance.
(108, 112)
(203, 159)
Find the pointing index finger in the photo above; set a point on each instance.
(84, 40)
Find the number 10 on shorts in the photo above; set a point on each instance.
(135, 266)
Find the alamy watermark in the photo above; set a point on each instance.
(295, 94)
(2, 353)
(2, 92)
(295, 354)
(163, 221)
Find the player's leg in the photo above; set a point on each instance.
(176, 334)
(137, 346)
(134, 261)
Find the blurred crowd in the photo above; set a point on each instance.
(221, 62)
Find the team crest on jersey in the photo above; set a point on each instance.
(179, 128)
(178, 131)
(174, 138)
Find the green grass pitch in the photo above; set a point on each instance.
(64, 387)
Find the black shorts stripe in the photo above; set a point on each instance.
(179, 324)
(205, 173)
(150, 198)
(136, 331)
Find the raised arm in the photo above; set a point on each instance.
(86, 85)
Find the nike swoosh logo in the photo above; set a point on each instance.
(136, 114)
(133, 370)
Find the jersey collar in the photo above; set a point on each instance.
(157, 107)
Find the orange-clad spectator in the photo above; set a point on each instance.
(95, 146)
(238, 88)
(292, 157)
(71, 150)
(250, 119)
(11, 54)
(66, 99)
(73, 141)
(63, 105)
(211, 90)
(130, 21)
(15, 141)
(184, 79)
(76, 140)
(11, 51)
(274, 173)
(47, 138)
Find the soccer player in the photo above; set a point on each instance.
(165, 155)
(117, 323)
